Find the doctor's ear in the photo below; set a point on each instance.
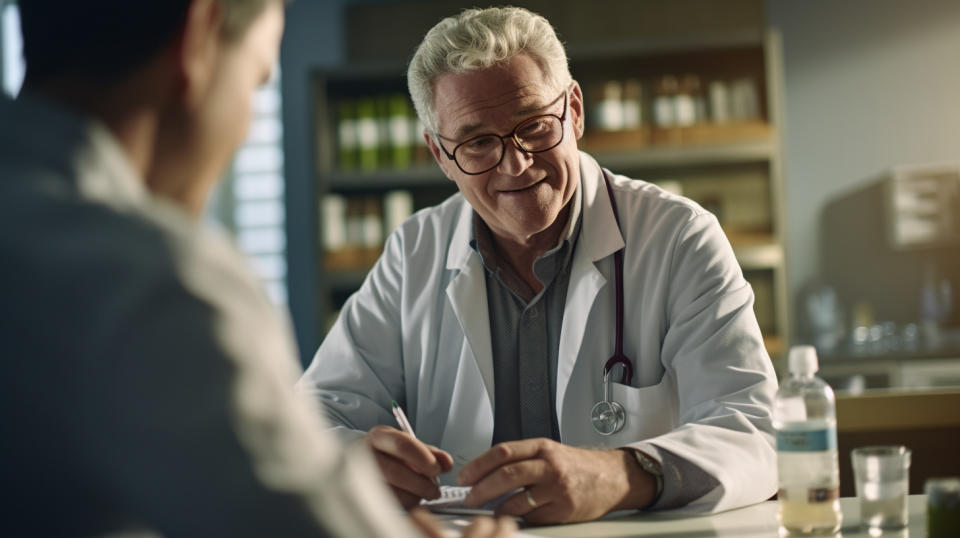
(438, 154)
(576, 109)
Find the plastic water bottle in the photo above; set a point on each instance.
(804, 416)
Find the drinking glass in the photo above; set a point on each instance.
(882, 480)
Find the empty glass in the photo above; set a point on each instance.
(882, 480)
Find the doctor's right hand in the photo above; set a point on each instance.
(409, 465)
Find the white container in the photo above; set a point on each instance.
(804, 415)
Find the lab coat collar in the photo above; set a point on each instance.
(459, 251)
(600, 234)
(600, 237)
(467, 292)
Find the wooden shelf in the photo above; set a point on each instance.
(688, 156)
(692, 136)
(898, 409)
(682, 146)
(756, 250)
(346, 279)
(427, 175)
(775, 345)
(350, 259)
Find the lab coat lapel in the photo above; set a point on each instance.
(467, 293)
(599, 238)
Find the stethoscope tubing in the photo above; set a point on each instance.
(618, 356)
(608, 416)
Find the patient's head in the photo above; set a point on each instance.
(173, 79)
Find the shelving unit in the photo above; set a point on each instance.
(732, 168)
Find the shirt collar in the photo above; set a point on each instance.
(481, 238)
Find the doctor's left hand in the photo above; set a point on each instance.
(561, 483)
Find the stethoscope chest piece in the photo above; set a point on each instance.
(608, 416)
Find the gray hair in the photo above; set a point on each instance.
(477, 39)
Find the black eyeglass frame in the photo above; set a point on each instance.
(513, 135)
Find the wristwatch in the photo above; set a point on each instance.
(653, 467)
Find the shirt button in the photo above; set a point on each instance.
(534, 312)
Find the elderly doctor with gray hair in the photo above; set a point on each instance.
(573, 340)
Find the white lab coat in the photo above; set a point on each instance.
(418, 332)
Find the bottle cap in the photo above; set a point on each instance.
(803, 360)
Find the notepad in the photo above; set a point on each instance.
(451, 502)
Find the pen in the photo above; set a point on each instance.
(401, 418)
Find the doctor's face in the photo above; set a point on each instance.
(525, 193)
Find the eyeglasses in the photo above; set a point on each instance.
(483, 153)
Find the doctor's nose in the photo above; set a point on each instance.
(515, 161)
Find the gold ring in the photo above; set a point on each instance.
(530, 501)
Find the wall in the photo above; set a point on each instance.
(869, 84)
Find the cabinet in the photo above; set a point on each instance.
(692, 103)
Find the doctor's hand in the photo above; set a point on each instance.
(409, 465)
(561, 483)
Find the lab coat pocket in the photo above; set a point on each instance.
(650, 411)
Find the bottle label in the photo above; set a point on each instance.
(807, 440)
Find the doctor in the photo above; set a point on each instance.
(492, 318)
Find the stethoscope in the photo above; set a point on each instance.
(608, 416)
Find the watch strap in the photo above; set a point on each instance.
(653, 467)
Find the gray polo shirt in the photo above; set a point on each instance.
(525, 332)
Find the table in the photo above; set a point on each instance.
(756, 521)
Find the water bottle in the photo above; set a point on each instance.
(804, 416)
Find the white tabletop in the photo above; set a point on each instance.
(759, 520)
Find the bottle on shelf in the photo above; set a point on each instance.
(397, 207)
(744, 100)
(334, 211)
(354, 222)
(691, 85)
(685, 108)
(633, 117)
(367, 136)
(664, 107)
(372, 230)
(401, 131)
(347, 158)
(384, 142)
(611, 117)
(421, 151)
(804, 416)
(719, 102)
